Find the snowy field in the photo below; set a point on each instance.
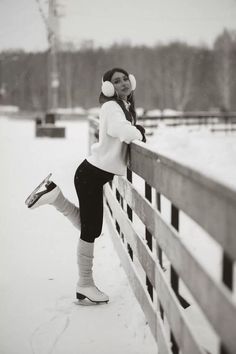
(213, 154)
(39, 314)
(38, 276)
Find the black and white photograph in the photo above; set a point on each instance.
(118, 177)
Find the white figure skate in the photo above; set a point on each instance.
(45, 196)
(92, 293)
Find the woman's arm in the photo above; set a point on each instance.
(142, 131)
(119, 127)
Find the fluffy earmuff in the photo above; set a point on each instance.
(132, 81)
(108, 89)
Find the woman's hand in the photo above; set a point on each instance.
(142, 131)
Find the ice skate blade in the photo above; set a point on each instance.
(45, 197)
(86, 301)
(44, 181)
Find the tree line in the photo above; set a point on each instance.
(175, 75)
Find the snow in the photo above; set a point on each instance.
(39, 314)
(171, 112)
(69, 111)
(154, 113)
(94, 111)
(38, 248)
(213, 154)
(9, 109)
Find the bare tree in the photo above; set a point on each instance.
(223, 47)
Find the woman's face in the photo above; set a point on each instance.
(121, 84)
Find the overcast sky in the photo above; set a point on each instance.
(107, 21)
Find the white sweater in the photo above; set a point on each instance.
(110, 152)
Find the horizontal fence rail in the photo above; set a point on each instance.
(215, 122)
(166, 277)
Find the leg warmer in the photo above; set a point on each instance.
(85, 263)
(68, 209)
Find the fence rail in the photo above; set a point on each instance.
(158, 263)
(216, 122)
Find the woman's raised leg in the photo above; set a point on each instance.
(52, 195)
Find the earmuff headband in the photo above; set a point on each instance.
(108, 88)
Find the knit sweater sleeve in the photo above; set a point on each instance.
(118, 126)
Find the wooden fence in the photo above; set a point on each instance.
(215, 122)
(166, 277)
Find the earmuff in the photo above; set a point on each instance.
(108, 88)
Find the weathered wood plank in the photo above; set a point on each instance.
(138, 245)
(211, 204)
(49, 130)
(153, 318)
(215, 295)
(146, 213)
(209, 294)
(175, 315)
(142, 207)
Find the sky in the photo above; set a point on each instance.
(105, 22)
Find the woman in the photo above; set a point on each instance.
(108, 158)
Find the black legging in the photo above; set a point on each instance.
(89, 181)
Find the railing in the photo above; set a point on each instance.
(166, 277)
(215, 122)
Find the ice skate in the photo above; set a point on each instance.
(47, 196)
(92, 293)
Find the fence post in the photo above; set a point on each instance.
(148, 196)
(159, 250)
(227, 271)
(174, 278)
(227, 279)
(129, 212)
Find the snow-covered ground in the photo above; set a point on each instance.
(214, 154)
(38, 272)
(39, 314)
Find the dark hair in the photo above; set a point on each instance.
(131, 114)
